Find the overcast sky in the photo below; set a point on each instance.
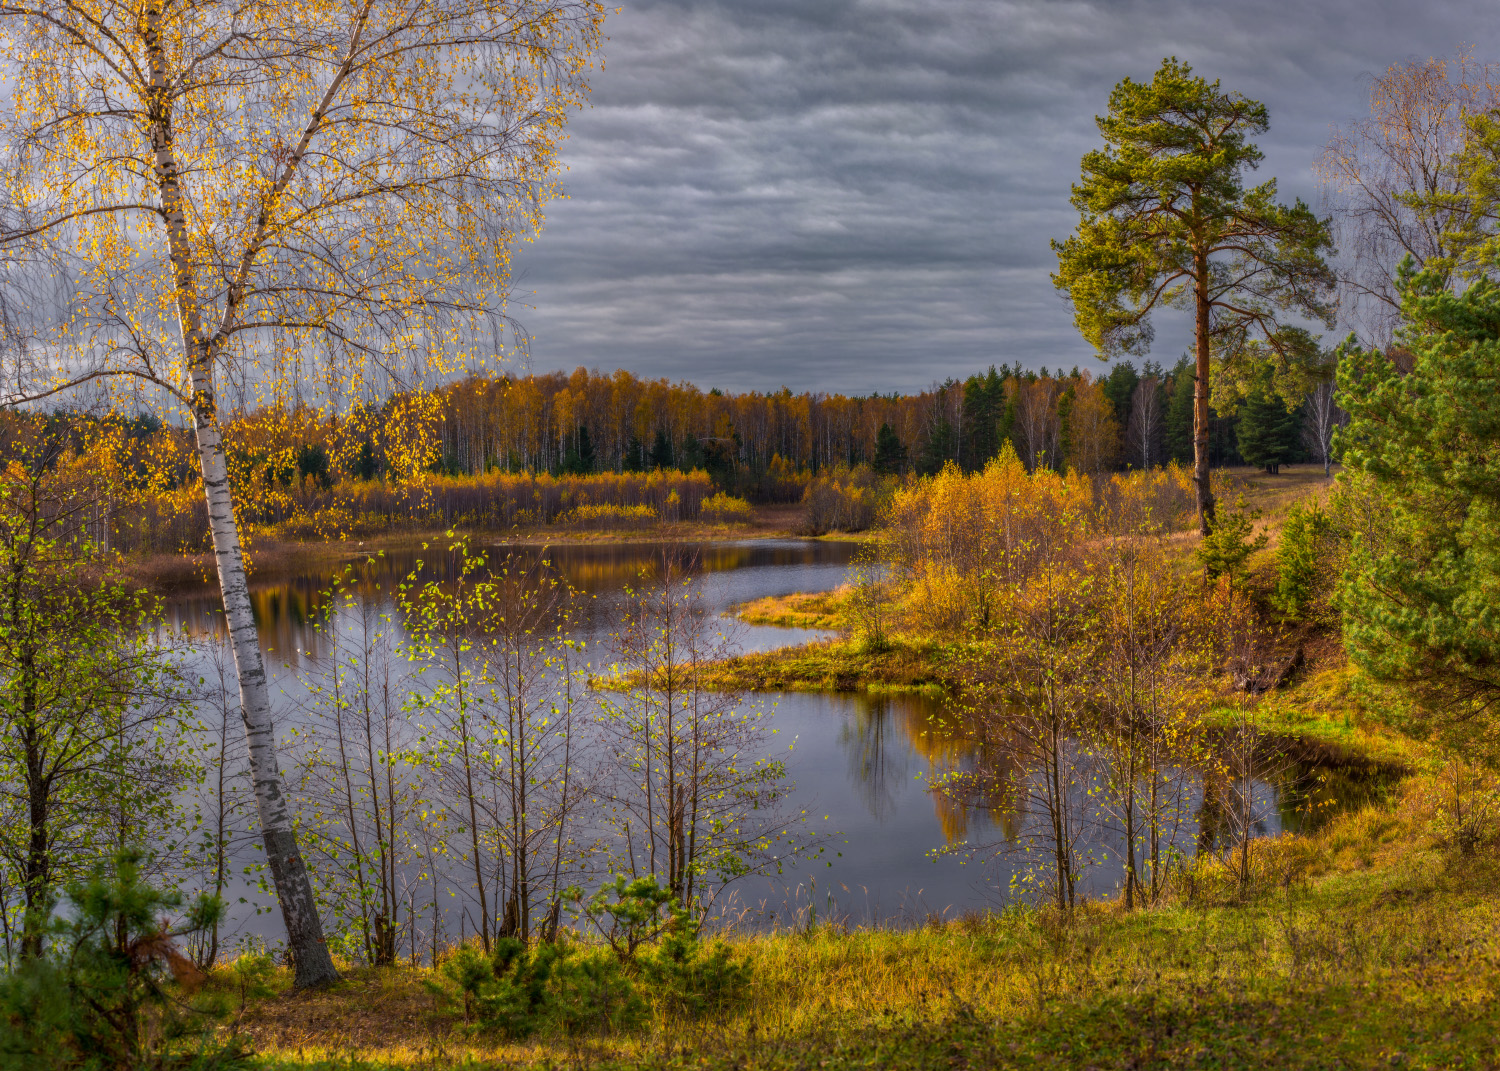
(857, 195)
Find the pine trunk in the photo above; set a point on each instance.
(1200, 400)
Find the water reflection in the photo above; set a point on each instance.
(864, 766)
(892, 740)
(286, 606)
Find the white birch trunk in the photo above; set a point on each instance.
(312, 963)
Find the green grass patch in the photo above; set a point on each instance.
(1332, 710)
(905, 664)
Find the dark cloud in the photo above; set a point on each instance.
(858, 195)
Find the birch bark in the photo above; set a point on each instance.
(312, 964)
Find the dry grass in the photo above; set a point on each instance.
(815, 610)
(1274, 495)
(371, 1010)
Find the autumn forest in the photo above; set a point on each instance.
(374, 698)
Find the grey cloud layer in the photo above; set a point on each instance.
(858, 195)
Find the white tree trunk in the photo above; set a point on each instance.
(313, 965)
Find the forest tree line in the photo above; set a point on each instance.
(760, 444)
(1121, 417)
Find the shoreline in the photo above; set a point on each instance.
(1277, 960)
(270, 559)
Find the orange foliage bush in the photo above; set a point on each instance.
(958, 540)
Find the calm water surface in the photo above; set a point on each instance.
(862, 765)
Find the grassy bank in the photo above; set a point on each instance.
(1372, 943)
(904, 664)
(1330, 707)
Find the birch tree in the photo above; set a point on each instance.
(1394, 179)
(222, 798)
(88, 702)
(199, 193)
(697, 801)
(362, 792)
(534, 684)
(1032, 693)
(1322, 416)
(1147, 422)
(1151, 667)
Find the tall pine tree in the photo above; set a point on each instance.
(1165, 219)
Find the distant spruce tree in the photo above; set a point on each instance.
(939, 449)
(1268, 435)
(586, 456)
(890, 452)
(1223, 439)
(312, 461)
(980, 422)
(661, 450)
(635, 455)
(721, 460)
(1065, 424)
(1005, 407)
(366, 466)
(1179, 420)
(1119, 388)
(580, 457)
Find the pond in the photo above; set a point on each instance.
(864, 766)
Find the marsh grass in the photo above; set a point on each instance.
(905, 663)
(814, 610)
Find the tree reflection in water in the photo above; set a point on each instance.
(890, 741)
(867, 762)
